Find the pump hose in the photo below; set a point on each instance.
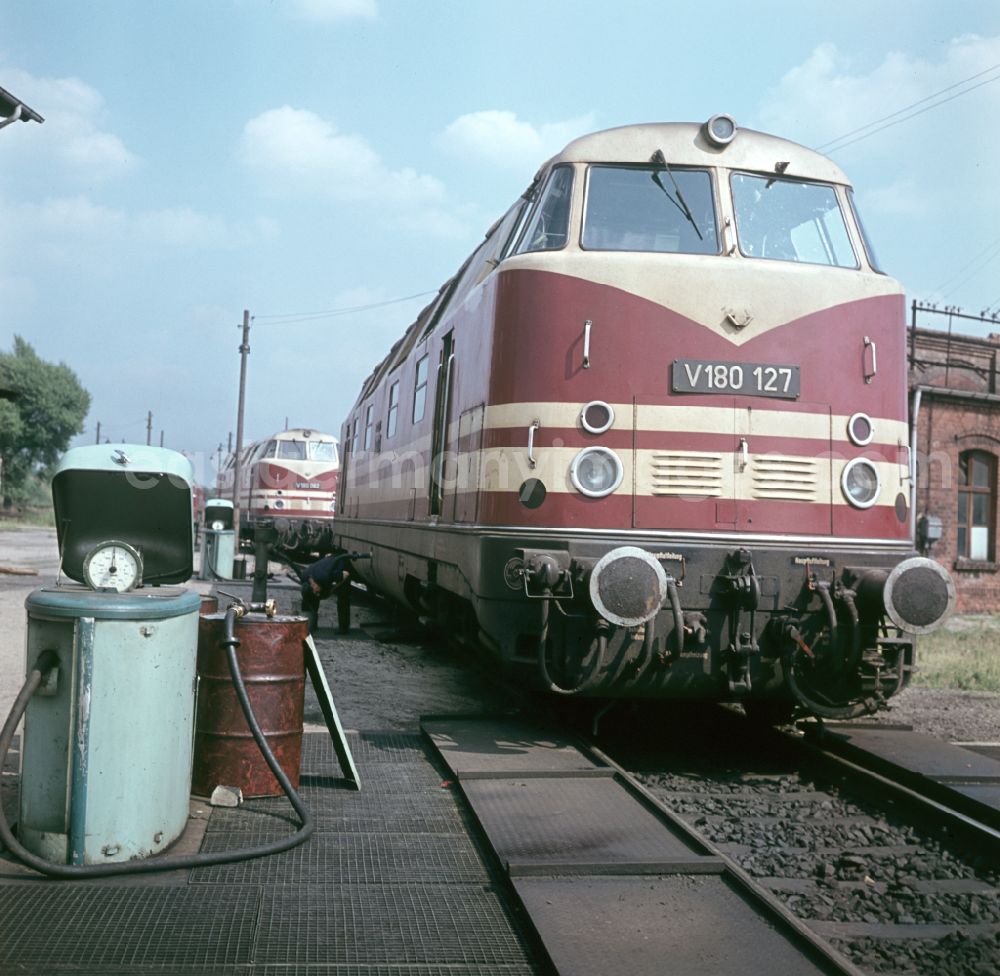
(148, 865)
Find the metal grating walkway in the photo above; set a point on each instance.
(393, 882)
(612, 882)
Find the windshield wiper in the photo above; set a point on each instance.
(680, 203)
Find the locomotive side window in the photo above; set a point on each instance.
(789, 220)
(869, 250)
(488, 255)
(420, 390)
(664, 210)
(369, 421)
(548, 228)
(390, 420)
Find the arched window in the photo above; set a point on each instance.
(976, 504)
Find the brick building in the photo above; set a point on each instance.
(955, 397)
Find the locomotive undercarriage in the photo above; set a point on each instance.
(829, 631)
(772, 628)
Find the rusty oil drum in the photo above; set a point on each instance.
(272, 663)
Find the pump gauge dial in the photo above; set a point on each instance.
(113, 565)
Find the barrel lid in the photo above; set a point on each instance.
(130, 492)
(149, 603)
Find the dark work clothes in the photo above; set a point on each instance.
(326, 572)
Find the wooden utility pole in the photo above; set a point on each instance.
(98, 440)
(238, 463)
(149, 428)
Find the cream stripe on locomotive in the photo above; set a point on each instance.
(679, 474)
(761, 292)
(696, 420)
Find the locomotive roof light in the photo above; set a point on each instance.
(720, 130)
(860, 483)
(860, 429)
(597, 416)
(596, 472)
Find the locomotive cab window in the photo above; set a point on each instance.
(322, 450)
(548, 227)
(660, 209)
(790, 220)
(292, 450)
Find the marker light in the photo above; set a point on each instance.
(860, 429)
(720, 130)
(597, 416)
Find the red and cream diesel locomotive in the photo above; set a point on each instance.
(651, 440)
(288, 481)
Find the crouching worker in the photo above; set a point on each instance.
(326, 576)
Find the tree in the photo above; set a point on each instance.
(44, 407)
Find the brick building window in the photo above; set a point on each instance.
(976, 504)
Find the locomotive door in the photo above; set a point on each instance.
(439, 442)
(465, 492)
(783, 469)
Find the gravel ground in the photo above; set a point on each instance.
(958, 716)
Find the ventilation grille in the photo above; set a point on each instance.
(687, 474)
(789, 478)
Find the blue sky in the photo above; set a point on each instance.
(293, 157)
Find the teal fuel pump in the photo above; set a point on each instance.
(218, 540)
(109, 699)
(107, 743)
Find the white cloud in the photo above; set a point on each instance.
(77, 229)
(74, 134)
(328, 11)
(922, 179)
(829, 96)
(500, 138)
(185, 227)
(297, 154)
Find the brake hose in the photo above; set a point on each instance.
(146, 866)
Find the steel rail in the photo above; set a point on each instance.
(931, 812)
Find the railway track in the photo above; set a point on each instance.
(858, 874)
(895, 879)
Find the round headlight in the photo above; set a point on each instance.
(596, 472)
(860, 483)
(278, 503)
(217, 526)
(720, 129)
(860, 429)
(597, 416)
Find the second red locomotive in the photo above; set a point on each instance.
(651, 440)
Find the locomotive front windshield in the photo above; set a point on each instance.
(662, 209)
(790, 220)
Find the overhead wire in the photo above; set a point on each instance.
(982, 259)
(970, 269)
(887, 121)
(292, 318)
